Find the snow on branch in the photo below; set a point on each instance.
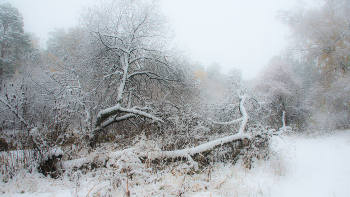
(15, 112)
(104, 116)
(115, 119)
(284, 128)
(106, 113)
(244, 118)
(138, 73)
(152, 155)
(185, 153)
(244, 113)
(230, 122)
(188, 152)
(110, 47)
(141, 113)
(198, 149)
(151, 75)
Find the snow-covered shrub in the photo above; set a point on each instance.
(278, 85)
(255, 149)
(330, 105)
(13, 162)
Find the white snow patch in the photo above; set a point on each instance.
(56, 152)
(297, 166)
(321, 166)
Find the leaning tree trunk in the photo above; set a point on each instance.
(188, 153)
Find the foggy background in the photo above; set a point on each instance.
(236, 34)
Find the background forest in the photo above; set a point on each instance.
(113, 83)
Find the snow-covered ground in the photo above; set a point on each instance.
(297, 166)
(319, 166)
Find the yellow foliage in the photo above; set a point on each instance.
(53, 70)
(200, 74)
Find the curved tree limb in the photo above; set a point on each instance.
(188, 152)
(104, 117)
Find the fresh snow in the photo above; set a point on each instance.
(320, 166)
(297, 166)
(187, 152)
(56, 152)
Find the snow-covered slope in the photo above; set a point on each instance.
(297, 166)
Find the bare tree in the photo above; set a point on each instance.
(134, 68)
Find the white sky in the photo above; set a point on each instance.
(242, 34)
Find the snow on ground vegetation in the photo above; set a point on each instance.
(298, 165)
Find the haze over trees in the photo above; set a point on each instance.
(13, 40)
(114, 82)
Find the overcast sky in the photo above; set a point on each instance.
(242, 34)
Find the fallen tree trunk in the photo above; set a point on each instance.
(187, 152)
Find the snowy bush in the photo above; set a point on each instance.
(19, 161)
